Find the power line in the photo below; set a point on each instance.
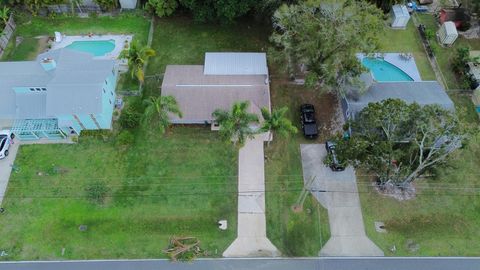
(289, 179)
(222, 192)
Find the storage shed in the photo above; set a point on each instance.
(447, 34)
(400, 16)
(459, 16)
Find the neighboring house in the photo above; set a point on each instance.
(224, 79)
(421, 92)
(62, 92)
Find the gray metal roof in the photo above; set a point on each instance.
(31, 105)
(400, 11)
(74, 85)
(423, 93)
(235, 64)
(18, 74)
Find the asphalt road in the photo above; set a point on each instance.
(324, 263)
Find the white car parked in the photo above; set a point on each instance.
(6, 138)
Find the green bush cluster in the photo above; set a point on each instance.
(125, 138)
(129, 118)
(97, 191)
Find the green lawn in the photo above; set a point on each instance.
(33, 28)
(179, 40)
(408, 41)
(180, 184)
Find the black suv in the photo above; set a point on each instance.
(309, 124)
(334, 162)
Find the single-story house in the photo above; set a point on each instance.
(224, 79)
(421, 92)
(62, 92)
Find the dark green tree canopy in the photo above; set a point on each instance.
(385, 5)
(217, 10)
(325, 36)
(398, 142)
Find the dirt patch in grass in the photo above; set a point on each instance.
(326, 106)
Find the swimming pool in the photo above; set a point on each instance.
(95, 47)
(383, 71)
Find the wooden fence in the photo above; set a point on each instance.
(6, 34)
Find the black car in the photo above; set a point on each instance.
(335, 164)
(309, 123)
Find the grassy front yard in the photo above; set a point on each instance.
(180, 184)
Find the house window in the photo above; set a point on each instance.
(106, 82)
(38, 89)
(110, 101)
(111, 93)
(103, 90)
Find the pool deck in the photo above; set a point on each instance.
(119, 43)
(406, 65)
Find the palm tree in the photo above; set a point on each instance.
(235, 124)
(276, 122)
(4, 15)
(159, 108)
(137, 55)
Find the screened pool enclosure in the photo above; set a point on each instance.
(34, 129)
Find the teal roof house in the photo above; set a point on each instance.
(62, 92)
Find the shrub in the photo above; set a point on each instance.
(430, 34)
(103, 134)
(107, 5)
(125, 138)
(97, 191)
(129, 118)
(161, 8)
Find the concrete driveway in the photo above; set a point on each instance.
(6, 168)
(252, 238)
(337, 192)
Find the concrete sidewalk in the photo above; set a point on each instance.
(6, 168)
(252, 238)
(340, 198)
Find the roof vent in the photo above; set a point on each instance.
(48, 64)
